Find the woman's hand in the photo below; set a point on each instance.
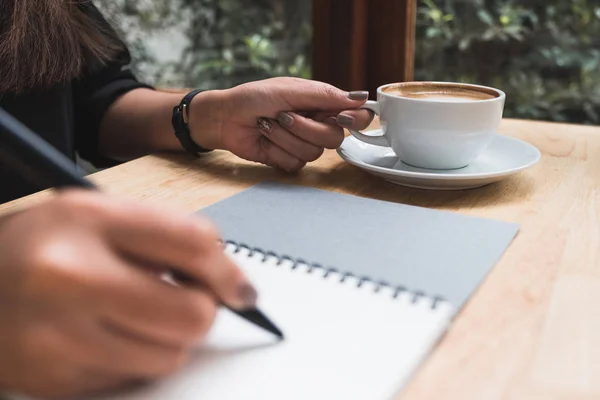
(300, 119)
(82, 307)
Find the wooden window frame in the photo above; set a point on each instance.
(363, 44)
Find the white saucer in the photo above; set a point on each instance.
(503, 157)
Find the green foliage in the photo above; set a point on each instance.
(228, 41)
(543, 53)
(233, 42)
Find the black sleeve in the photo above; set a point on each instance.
(98, 87)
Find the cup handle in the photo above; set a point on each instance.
(377, 140)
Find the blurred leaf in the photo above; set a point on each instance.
(464, 43)
(485, 17)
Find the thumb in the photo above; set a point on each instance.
(319, 96)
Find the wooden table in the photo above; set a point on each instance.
(532, 330)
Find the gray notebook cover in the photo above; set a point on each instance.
(440, 253)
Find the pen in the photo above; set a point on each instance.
(42, 165)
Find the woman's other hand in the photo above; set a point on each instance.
(280, 122)
(82, 306)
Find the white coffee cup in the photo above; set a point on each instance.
(436, 125)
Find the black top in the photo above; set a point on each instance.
(68, 115)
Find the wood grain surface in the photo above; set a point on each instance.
(532, 330)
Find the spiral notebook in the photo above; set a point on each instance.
(344, 340)
(440, 253)
(361, 304)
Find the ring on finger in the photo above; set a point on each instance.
(265, 125)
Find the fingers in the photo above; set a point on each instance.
(296, 139)
(290, 143)
(314, 132)
(355, 119)
(314, 95)
(276, 157)
(157, 312)
(117, 353)
(76, 386)
(320, 129)
(76, 356)
(358, 119)
(187, 244)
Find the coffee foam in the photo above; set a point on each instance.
(441, 92)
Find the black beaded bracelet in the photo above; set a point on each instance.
(180, 124)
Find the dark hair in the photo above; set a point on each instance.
(46, 42)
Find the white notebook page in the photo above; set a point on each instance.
(342, 342)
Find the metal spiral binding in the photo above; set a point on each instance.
(396, 291)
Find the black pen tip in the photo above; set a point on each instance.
(257, 317)
(262, 320)
(252, 315)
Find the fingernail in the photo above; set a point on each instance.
(248, 295)
(331, 121)
(285, 119)
(345, 120)
(359, 95)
